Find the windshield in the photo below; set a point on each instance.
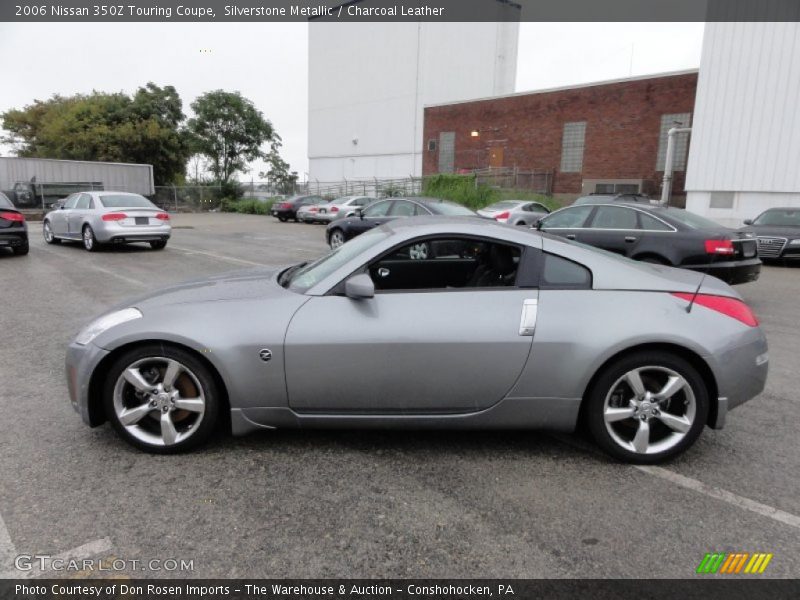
(307, 276)
(692, 220)
(125, 201)
(504, 205)
(451, 209)
(5, 202)
(779, 217)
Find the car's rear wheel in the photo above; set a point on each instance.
(647, 407)
(161, 399)
(159, 245)
(89, 241)
(49, 236)
(22, 249)
(336, 238)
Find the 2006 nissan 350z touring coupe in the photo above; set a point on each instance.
(433, 322)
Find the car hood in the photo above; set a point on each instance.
(774, 230)
(248, 284)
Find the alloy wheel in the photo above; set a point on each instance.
(649, 410)
(48, 232)
(159, 401)
(337, 239)
(88, 238)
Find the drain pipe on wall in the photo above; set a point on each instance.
(666, 185)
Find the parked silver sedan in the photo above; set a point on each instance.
(498, 327)
(515, 212)
(96, 218)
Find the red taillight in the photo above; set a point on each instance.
(285, 205)
(313, 209)
(719, 247)
(333, 209)
(162, 217)
(12, 216)
(114, 217)
(730, 307)
(502, 215)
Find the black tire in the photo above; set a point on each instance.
(90, 242)
(159, 245)
(282, 219)
(610, 378)
(51, 238)
(336, 234)
(22, 250)
(202, 429)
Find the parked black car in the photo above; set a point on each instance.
(287, 209)
(13, 228)
(778, 233)
(662, 235)
(378, 213)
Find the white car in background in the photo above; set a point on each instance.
(344, 206)
(515, 212)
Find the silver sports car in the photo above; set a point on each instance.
(497, 327)
(96, 218)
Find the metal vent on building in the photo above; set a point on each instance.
(431, 145)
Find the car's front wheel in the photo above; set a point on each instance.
(161, 399)
(89, 241)
(336, 238)
(647, 407)
(49, 236)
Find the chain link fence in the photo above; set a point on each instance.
(540, 182)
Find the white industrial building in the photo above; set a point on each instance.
(368, 85)
(745, 147)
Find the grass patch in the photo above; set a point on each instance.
(463, 189)
(246, 207)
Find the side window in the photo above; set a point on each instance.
(652, 224)
(71, 201)
(402, 208)
(560, 273)
(447, 263)
(614, 217)
(568, 218)
(379, 209)
(536, 207)
(83, 201)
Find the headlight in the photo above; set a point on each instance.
(794, 242)
(98, 326)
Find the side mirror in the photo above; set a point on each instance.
(359, 213)
(60, 207)
(538, 224)
(359, 287)
(748, 221)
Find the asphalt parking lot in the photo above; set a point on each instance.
(365, 503)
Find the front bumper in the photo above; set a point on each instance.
(81, 362)
(731, 272)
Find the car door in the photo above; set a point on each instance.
(77, 214)
(613, 228)
(430, 343)
(568, 222)
(59, 218)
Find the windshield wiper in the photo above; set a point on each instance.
(286, 277)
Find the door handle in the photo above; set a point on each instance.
(527, 322)
(383, 272)
(570, 236)
(630, 239)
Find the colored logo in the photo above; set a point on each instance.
(734, 563)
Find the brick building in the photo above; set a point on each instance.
(600, 137)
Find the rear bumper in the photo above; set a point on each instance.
(13, 240)
(731, 272)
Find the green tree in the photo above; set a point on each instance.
(229, 130)
(144, 128)
(278, 173)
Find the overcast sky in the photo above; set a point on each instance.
(268, 62)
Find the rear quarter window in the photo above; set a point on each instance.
(561, 273)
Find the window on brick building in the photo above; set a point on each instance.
(447, 151)
(681, 141)
(572, 144)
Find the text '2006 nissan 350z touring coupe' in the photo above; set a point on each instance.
(490, 327)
